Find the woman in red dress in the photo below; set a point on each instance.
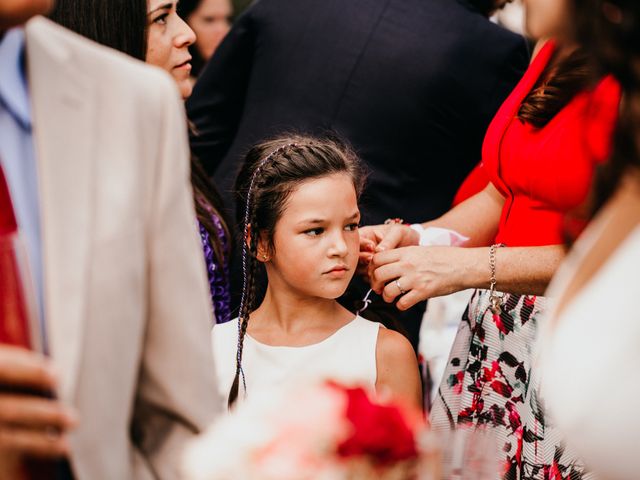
(539, 154)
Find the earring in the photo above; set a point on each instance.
(264, 257)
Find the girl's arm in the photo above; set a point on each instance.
(397, 368)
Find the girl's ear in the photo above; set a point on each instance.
(263, 247)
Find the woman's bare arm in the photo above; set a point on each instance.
(426, 272)
(477, 217)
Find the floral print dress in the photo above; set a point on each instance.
(489, 383)
(543, 173)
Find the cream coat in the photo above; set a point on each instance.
(126, 299)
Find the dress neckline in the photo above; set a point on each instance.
(311, 345)
(509, 110)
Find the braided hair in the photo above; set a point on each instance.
(271, 172)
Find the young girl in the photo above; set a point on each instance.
(299, 198)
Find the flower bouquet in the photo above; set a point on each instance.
(322, 432)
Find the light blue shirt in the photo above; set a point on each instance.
(17, 151)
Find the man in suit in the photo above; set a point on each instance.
(412, 84)
(95, 152)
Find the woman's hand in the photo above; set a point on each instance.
(417, 273)
(378, 238)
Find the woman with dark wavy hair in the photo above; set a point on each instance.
(152, 30)
(540, 168)
(590, 347)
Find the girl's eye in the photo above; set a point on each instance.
(314, 232)
(352, 227)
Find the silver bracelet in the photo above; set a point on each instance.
(495, 298)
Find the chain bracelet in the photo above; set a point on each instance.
(495, 299)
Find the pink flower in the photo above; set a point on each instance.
(314, 432)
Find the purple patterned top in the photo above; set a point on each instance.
(217, 274)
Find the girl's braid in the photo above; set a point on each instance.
(246, 308)
(249, 266)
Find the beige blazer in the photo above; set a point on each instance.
(126, 300)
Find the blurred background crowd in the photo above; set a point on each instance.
(152, 274)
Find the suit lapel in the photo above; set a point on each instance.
(63, 112)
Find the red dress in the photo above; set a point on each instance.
(543, 173)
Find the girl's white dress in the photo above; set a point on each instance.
(347, 356)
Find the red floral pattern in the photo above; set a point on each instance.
(489, 382)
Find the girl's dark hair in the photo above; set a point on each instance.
(610, 32)
(558, 84)
(119, 24)
(270, 174)
(208, 202)
(186, 8)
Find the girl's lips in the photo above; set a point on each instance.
(337, 271)
(339, 267)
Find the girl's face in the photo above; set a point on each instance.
(210, 21)
(316, 241)
(547, 18)
(168, 42)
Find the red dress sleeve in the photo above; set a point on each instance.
(475, 182)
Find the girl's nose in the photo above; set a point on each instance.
(339, 246)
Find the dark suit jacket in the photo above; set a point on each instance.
(412, 84)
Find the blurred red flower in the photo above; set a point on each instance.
(382, 432)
